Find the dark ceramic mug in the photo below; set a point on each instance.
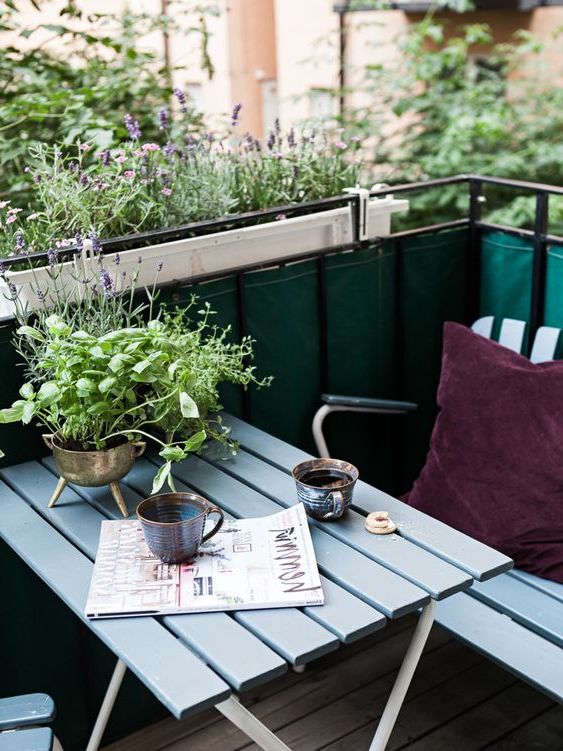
(173, 524)
(325, 487)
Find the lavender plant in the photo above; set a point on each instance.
(138, 186)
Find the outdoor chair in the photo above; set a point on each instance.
(528, 642)
(22, 723)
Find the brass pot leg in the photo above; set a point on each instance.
(61, 484)
(118, 498)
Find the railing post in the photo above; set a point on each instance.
(243, 331)
(324, 380)
(476, 200)
(539, 264)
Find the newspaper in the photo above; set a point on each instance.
(266, 562)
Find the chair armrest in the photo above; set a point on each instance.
(23, 711)
(360, 402)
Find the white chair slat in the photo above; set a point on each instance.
(545, 344)
(512, 334)
(484, 326)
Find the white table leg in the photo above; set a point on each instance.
(251, 725)
(404, 678)
(107, 705)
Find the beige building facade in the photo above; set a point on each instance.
(281, 58)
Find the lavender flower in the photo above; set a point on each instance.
(96, 244)
(235, 114)
(52, 257)
(105, 157)
(13, 290)
(40, 295)
(169, 149)
(20, 243)
(163, 118)
(166, 192)
(84, 180)
(159, 267)
(133, 127)
(2, 270)
(72, 167)
(271, 140)
(277, 127)
(79, 241)
(181, 97)
(117, 259)
(150, 147)
(291, 139)
(107, 284)
(36, 178)
(257, 145)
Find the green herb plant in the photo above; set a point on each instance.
(101, 368)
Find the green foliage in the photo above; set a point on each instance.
(98, 368)
(462, 103)
(79, 88)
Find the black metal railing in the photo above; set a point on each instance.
(474, 222)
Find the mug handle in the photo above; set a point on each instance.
(217, 527)
(337, 505)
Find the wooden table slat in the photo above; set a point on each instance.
(478, 560)
(157, 657)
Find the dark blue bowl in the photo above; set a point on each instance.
(173, 524)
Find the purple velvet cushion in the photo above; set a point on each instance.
(495, 465)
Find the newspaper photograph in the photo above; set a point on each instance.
(267, 562)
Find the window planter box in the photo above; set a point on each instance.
(210, 254)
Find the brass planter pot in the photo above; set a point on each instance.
(93, 469)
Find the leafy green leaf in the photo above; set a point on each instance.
(31, 332)
(188, 407)
(106, 383)
(161, 477)
(28, 412)
(13, 413)
(173, 453)
(27, 391)
(196, 441)
(48, 393)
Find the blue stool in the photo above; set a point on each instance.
(20, 721)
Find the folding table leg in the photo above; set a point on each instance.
(404, 678)
(107, 705)
(251, 725)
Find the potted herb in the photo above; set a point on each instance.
(136, 189)
(102, 373)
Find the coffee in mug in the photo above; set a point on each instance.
(325, 486)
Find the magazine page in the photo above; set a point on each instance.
(268, 562)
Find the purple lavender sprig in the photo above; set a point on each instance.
(181, 97)
(163, 118)
(236, 114)
(107, 284)
(133, 127)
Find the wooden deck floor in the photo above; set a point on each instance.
(457, 702)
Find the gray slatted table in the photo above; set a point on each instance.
(366, 579)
